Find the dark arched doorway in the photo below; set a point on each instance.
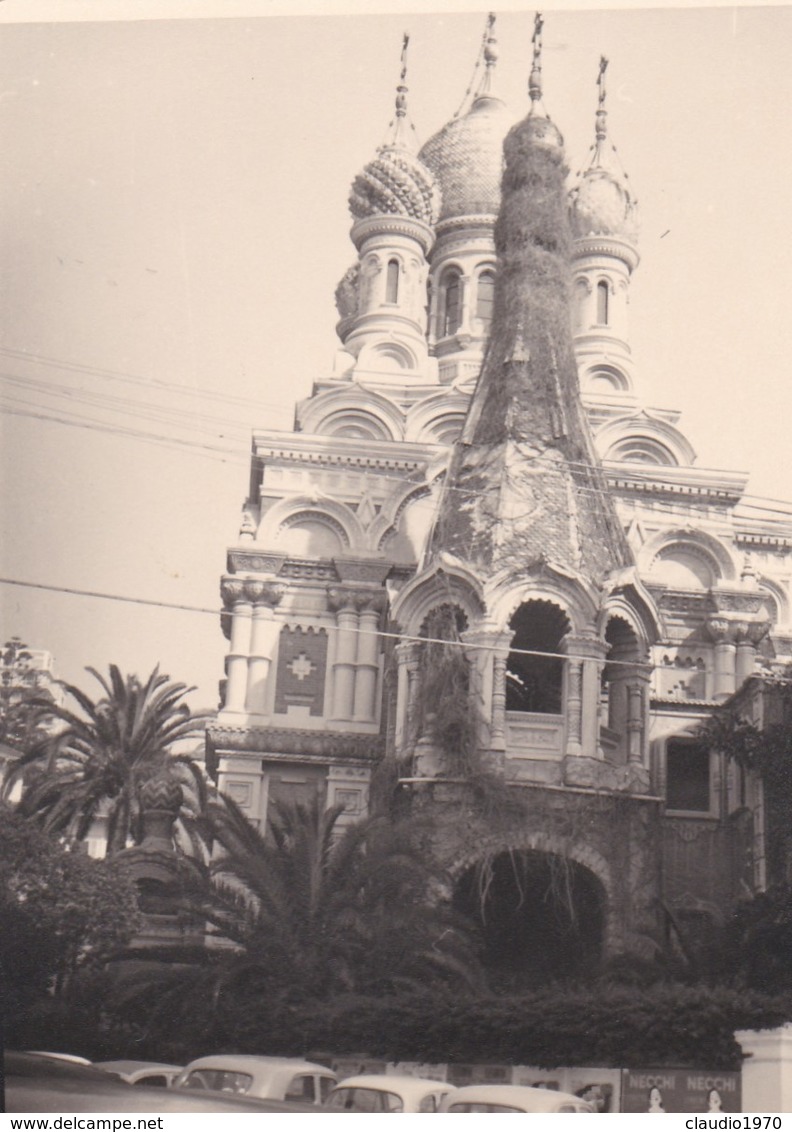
(540, 917)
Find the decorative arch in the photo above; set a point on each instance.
(446, 583)
(314, 516)
(779, 599)
(604, 378)
(704, 557)
(357, 400)
(429, 415)
(650, 439)
(574, 596)
(538, 841)
(387, 355)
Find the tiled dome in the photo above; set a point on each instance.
(601, 205)
(466, 157)
(395, 183)
(162, 792)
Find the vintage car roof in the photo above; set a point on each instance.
(257, 1066)
(517, 1096)
(404, 1085)
(132, 1066)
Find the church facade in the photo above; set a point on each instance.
(477, 493)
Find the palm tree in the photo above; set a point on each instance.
(327, 908)
(93, 765)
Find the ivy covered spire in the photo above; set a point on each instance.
(524, 483)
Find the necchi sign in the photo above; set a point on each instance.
(680, 1090)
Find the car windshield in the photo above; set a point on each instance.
(364, 1100)
(224, 1080)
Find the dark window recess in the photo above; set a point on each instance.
(392, 282)
(687, 776)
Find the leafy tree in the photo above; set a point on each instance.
(312, 909)
(94, 765)
(326, 907)
(767, 751)
(60, 911)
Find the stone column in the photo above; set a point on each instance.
(720, 632)
(574, 707)
(265, 595)
(482, 646)
(748, 634)
(343, 602)
(636, 721)
(233, 594)
(767, 1069)
(586, 655)
(367, 670)
(407, 662)
(498, 730)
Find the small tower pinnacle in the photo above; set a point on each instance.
(398, 137)
(535, 79)
(490, 56)
(601, 127)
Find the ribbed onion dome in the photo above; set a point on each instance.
(601, 204)
(466, 157)
(395, 183)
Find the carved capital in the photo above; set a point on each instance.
(356, 598)
(718, 629)
(263, 592)
(232, 590)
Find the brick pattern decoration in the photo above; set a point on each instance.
(302, 668)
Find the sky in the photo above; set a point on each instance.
(174, 223)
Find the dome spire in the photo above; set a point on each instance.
(398, 136)
(490, 55)
(535, 79)
(601, 126)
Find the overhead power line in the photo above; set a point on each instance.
(381, 633)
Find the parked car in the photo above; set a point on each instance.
(156, 1074)
(35, 1083)
(374, 1093)
(278, 1078)
(512, 1098)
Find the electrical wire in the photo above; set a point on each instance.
(380, 633)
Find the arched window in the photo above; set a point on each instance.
(485, 294)
(392, 282)
(602, 303)
(534, 681)
(452, 303)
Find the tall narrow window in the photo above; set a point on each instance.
(452, 303)
(602, 303)
(485, 294)
(392, 282)
(687, 776)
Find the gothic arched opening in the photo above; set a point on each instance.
(534, 682)
(540, 916)
(621, 690)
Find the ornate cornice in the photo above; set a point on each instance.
(596, 245)
(285, 743)
(392, 225)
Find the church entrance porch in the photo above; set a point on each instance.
(540, 917)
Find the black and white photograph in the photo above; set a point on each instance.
(396, 679)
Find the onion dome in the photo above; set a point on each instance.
(466, 155)
(162, 792)
(396, 182)
(600, 203)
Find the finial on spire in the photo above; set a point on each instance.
(490, 53)
(398, 124)
(602, 113)
(535, 81)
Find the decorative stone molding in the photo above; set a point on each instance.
(262, 563)
(287, 742)
(254, 590)
(361, 570)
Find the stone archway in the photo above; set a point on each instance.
(540, 916)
